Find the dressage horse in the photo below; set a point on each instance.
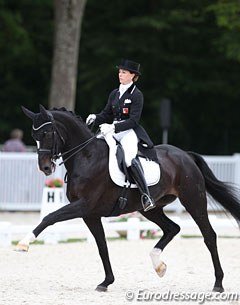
(92, 194)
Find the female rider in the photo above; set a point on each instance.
(120, 117)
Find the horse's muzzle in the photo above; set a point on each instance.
(47, 167)
(47, 170)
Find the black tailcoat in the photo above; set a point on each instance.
(127, 109)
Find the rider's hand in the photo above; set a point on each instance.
(107, 128)
(90, 119)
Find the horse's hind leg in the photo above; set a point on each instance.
(198, 211)
(169, 228)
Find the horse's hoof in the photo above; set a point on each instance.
(161, 269)
(218, 289)
(101, 288)
(21, 248)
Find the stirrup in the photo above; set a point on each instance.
(147, 202)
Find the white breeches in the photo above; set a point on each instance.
(129, 141)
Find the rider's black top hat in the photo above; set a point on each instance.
(129, 65)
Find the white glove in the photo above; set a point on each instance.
(90, 119)
(107, 128)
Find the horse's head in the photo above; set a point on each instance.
(47, 137)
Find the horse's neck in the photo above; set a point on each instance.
(76, 134)
(90, 160)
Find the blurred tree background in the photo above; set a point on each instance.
(189, 52)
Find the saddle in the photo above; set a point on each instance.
(120, 175)
(118, 169)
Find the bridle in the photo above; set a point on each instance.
(54, 151)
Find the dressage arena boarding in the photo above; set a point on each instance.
(67, 273)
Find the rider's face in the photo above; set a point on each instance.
(125, 77)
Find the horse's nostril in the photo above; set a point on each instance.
(46, 168)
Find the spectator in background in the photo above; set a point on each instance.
(15, 143)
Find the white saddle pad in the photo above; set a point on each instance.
(151, 168)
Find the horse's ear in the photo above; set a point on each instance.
(28, 113)
(43, 112)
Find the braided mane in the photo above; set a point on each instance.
(63, 109)
(77, 118)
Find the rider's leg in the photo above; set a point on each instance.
(138, 176)
(129, 143)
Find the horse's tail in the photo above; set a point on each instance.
(222, 192)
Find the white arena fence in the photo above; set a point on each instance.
(132, 228)
(22, 183)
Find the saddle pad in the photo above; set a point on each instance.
(151, 168)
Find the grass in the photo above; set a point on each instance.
(36, 242)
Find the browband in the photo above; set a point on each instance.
(37, 128)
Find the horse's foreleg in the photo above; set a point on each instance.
(169, 228)
(96, 228)
(23, 244)
(73, 210)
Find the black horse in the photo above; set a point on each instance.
(93, 195)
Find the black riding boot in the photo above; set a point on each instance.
(138, 176)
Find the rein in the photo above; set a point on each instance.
(54, 150)
(78, 149)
